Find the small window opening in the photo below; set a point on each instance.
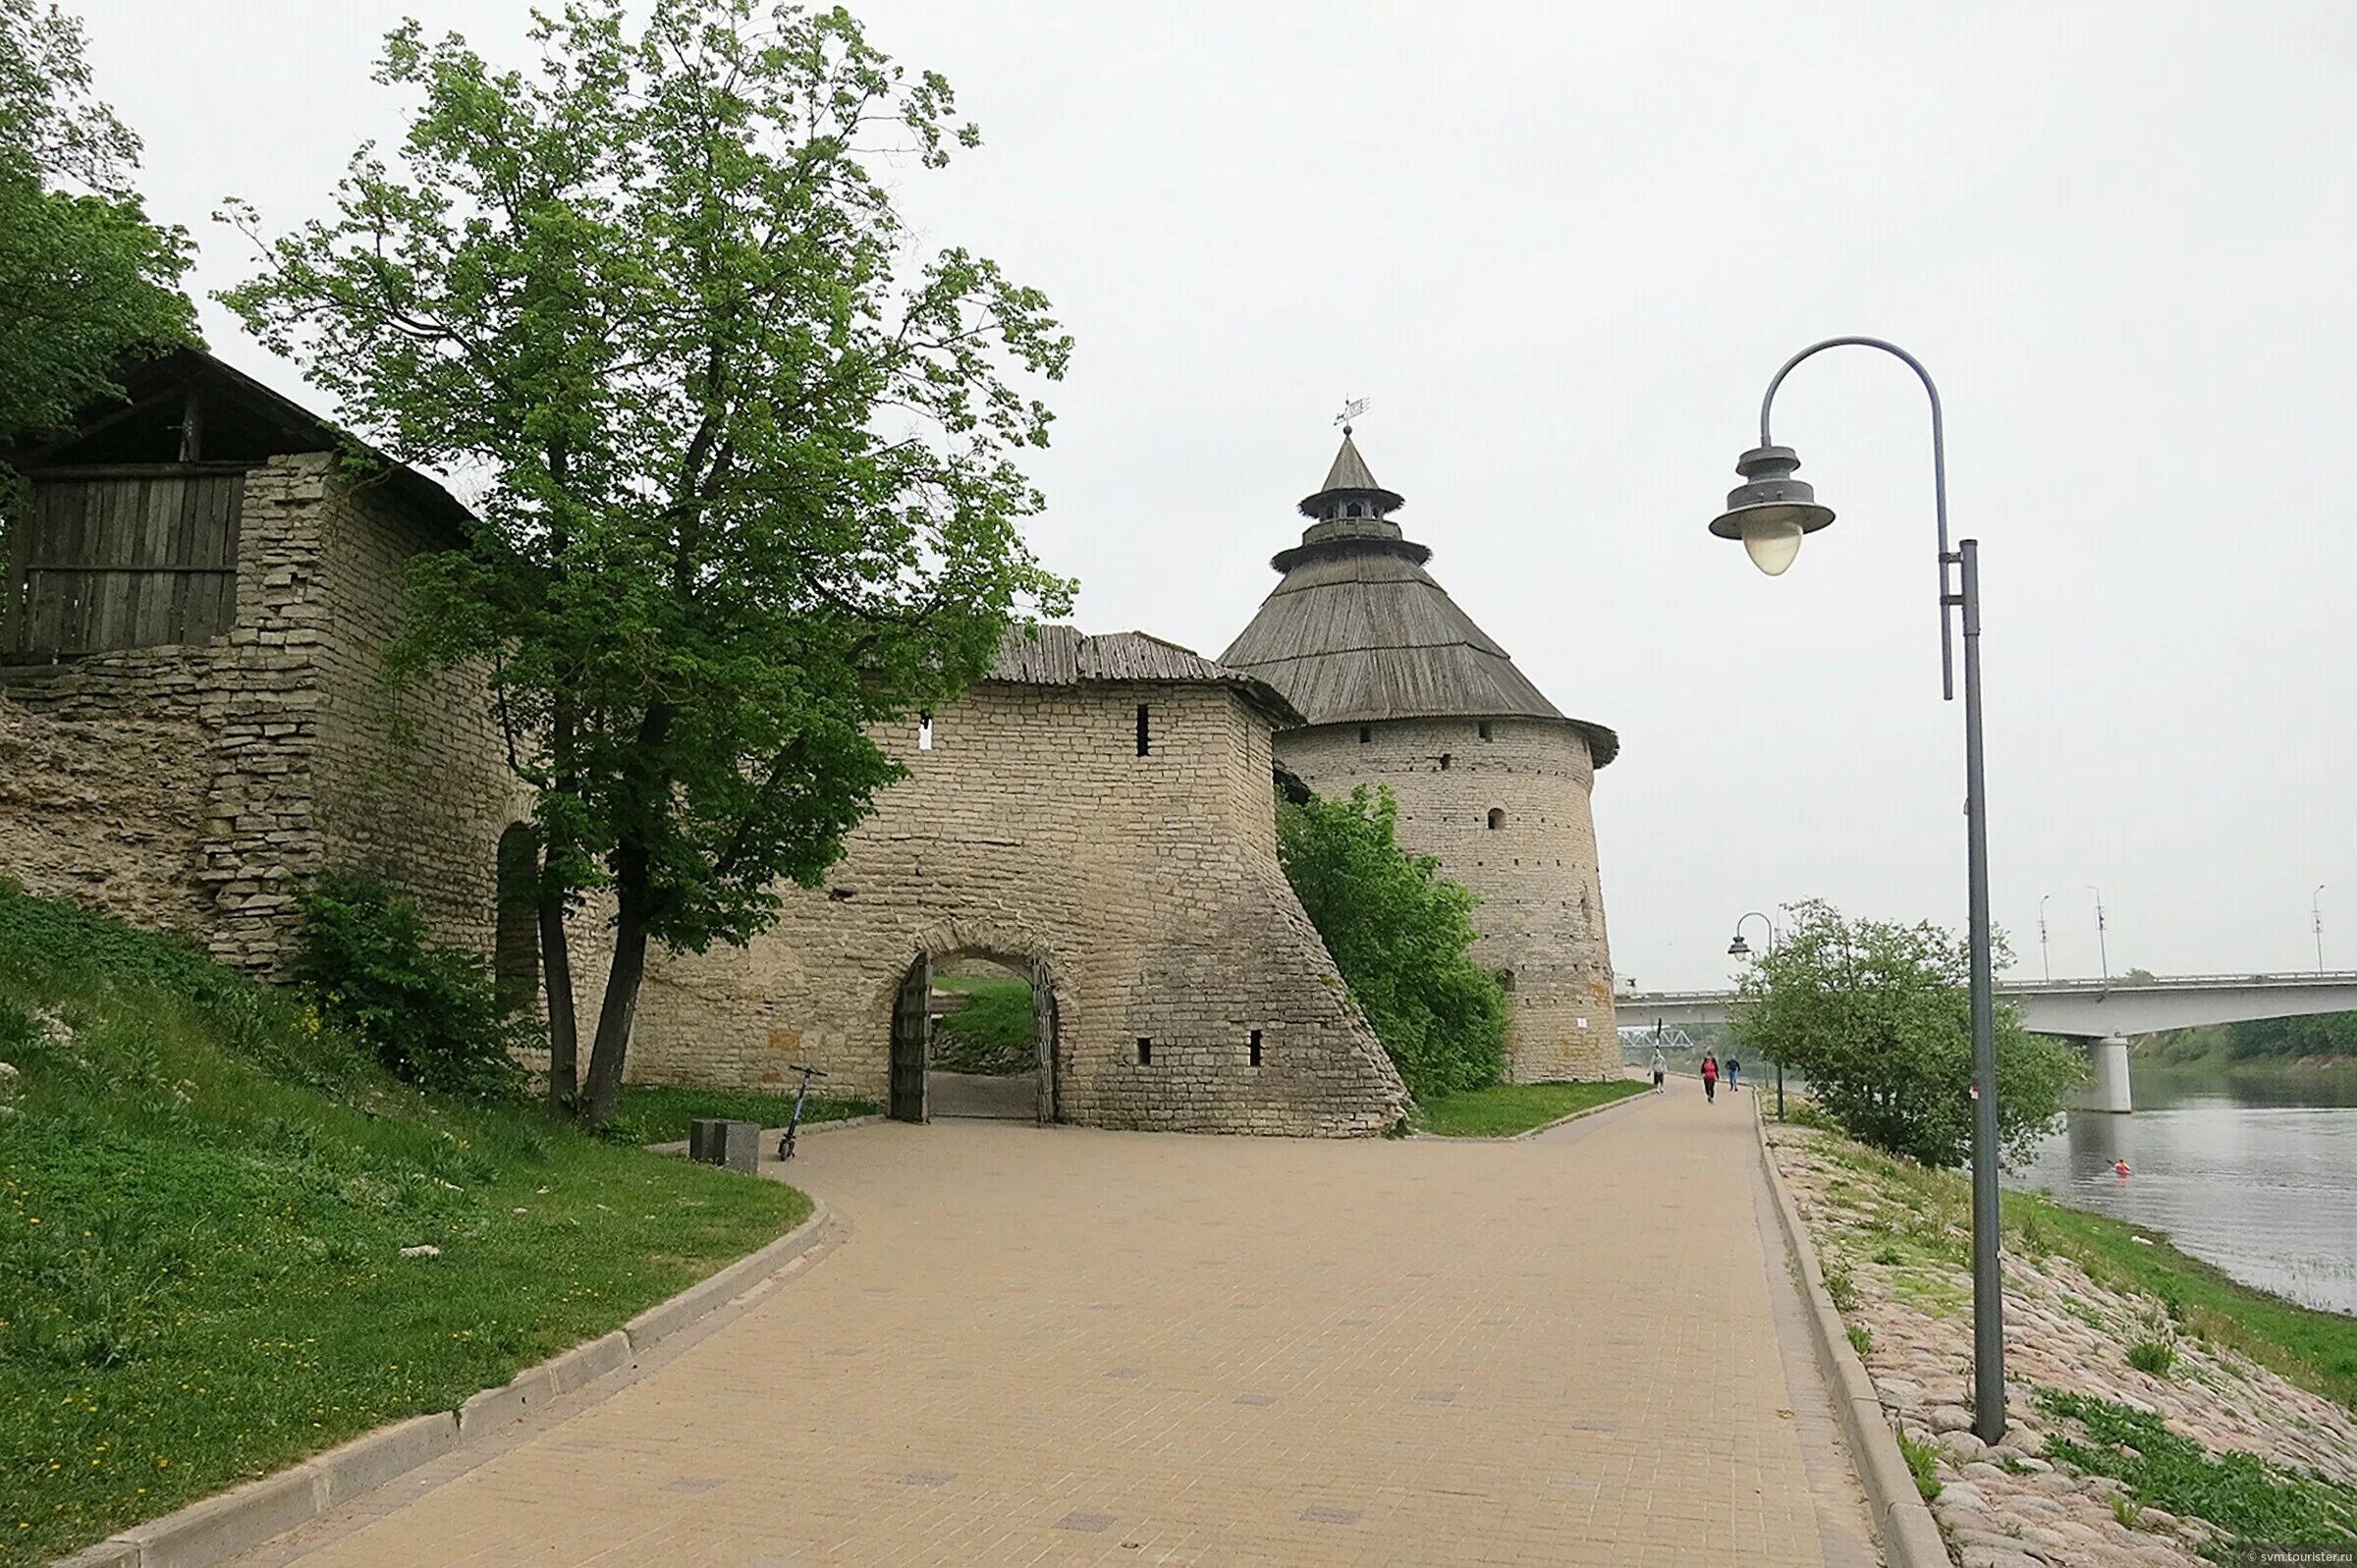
(1505, 980)
(1255, 1048)
(1485, 730)
(1366, 732)
(1145, 1052)
(924, 732)
(1496, 818)
(1145, 741)
(515, 934)
(1444, 761)
(1351, 509)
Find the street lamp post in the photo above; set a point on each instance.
(2315, 923)
(2103, 946)
(2044, 966)
(1739, 948)
(1771, 513)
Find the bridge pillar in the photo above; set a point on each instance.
(2107, 1089)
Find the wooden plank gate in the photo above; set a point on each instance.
(129, 556)
(912, 1034)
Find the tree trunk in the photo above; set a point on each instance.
(619, 1009)
(556, 971)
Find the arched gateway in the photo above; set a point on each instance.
(1100, 809)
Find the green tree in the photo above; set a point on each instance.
(1877, 1018)
(86, 278)
(745, 451)
(1401, 934)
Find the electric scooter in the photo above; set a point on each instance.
(786, 1144)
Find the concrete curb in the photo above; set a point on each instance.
(1911, 1538)
(246, 1516)
(1560, 1121)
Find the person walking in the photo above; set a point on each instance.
(1710, 1077)
(1734, 1075)
(1660, 1067)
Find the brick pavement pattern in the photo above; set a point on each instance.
(1070, 1346)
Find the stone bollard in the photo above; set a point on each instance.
(736, 1145)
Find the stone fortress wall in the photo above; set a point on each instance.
(1032, 830)
(194, 786)
(1542, 900)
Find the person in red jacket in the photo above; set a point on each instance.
(1710, 1077)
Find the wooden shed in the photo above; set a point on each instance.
(128, 536)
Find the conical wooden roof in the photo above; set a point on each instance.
(1360, 631)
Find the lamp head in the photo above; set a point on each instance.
(1770, 509)
(1738, 948)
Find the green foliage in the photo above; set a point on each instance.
(2154, 1357)
(88, 279)
(746, 447)
(1861, 1337)
(428, 1012)
(1502, 1109)
(996, 1032)
(2247, 1498)
(1401, 934)
(1922, 1459)
(1875, 1018)
(660, 1114)
(1840, 1286)
(203, 1202)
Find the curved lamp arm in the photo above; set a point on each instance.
(1947, 596)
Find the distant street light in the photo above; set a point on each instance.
(1739, 948)
(2101, 947)
(2315, 923)
(1771, 512)
(2044, 967)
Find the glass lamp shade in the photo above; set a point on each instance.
(1772, 541)
(1738, 948)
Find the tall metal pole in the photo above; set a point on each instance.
(2044, 967)
(2103, 946)
(1988, 1285)
(2315, 923)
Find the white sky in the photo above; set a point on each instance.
(1561, 248)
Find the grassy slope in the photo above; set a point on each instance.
(1502, 1109)
(993, 1033)
(2317, 1350)
(653, 1114)
(202, 1205)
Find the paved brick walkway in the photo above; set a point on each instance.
(1067, 1346)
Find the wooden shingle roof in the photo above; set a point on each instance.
(1055, 655)
(1357, 632)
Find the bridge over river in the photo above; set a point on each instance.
(2100, 1013)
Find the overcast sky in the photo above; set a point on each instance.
(1562, 246)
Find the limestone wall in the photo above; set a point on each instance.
(196, 787)
(1542, 900)
(1033, 829)
(412, 785)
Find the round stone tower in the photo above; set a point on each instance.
(1401, 688)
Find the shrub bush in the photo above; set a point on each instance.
(2154, 1357)
(1876, 1016)
(430, 1012)
(1401, 934)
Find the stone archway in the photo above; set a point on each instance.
(1024, 1081)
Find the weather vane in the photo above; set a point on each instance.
(1350, 410)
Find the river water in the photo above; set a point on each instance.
(2256, 1174)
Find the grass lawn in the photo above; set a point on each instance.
(660, 1114)
(993, 1033)
(1505, 1108)
(204, 1198)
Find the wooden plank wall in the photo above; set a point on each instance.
(122, 558)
